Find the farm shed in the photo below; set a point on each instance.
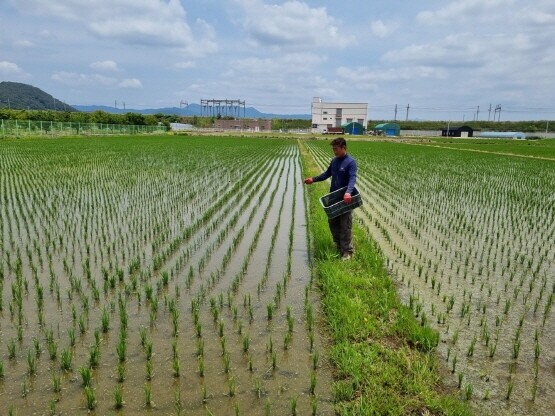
(353, 128)
(502, 135)
(458, 131)
(388, 129)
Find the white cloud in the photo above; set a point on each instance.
(289, 80)
(9, 68)
(463, 10)
(105, 66)
(130, 83)
(465, 49)
(185, 65)
(139, 22)
(381, 30)
(45, 34)
(540, 14)
(363, 75)
(76, 79)
(23, 43)
(205, 42)
(281, 66)
(293, 23)
(284, 51)
(537, 17)
(90, 80)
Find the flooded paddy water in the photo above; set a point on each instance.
(157, 275)
(469, 239)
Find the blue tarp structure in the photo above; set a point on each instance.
(388, 129)
(353, 128)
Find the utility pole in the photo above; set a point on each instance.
(489, 112)
(477, 112)
(395, 117)
(115, 103)
(497, 110)
(124, 105)
(407, 118)
(184, 104)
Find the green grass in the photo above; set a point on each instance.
(544, 148)
(384, 359)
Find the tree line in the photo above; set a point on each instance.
(480, 125)
(277, 124)
(82, 117)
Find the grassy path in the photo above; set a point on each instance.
(384, 360)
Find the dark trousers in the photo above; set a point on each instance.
(341, 229)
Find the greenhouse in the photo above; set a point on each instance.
(353, 128)
(502, 135)
(388, 129)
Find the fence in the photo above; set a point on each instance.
(26, 128)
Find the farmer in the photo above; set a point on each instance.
(343, 172)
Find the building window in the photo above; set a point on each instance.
(325, 112)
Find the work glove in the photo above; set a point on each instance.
(347, 198)
(308, 181)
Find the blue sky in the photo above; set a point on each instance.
(443, 58)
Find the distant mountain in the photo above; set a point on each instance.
(20, 96)
(191, 110)
(16, 95)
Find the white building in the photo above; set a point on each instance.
(327, 116)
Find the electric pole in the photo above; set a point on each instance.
(497, 110)
(489, 112)
(477, 112)
(184, 104)
(407, 118)
(395, 117)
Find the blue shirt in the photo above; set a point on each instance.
(343, 172)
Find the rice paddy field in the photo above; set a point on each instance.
(172, 275)
(157, 274)
(543, 149)
(469, 239)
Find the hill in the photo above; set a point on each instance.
(20, 96)
(191, 110)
